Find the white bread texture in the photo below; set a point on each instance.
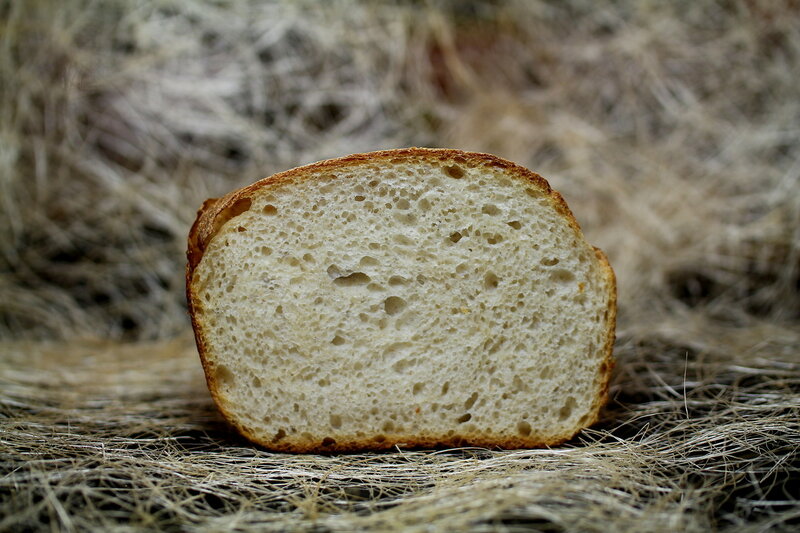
(413, 298)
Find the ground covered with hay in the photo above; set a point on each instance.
(672, 129)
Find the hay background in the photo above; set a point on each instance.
(672, 129)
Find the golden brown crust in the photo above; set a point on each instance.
(216, 212)
(416, 442)
(608, 363)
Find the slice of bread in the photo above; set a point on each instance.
(413, 297)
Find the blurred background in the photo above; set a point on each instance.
(672, 129)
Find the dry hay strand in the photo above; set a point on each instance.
(670, 127)
(98, 436)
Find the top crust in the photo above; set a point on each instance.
(214, 213)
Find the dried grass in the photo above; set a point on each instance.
(671, 128)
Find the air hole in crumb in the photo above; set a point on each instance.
(402, 203)
(455, 236)
(524, 428)
(239, 206)
(368, 261)
(359, 198)
(406, 218)
(308, 258)
(270, 210)
(352, 280)
(338, 340)
(334, 272)
(403, 240)
(454, 171)
(401, 365)
(279, 435)
(379, 438)
(464, 418)
(279, 310)
(418, 387)
(471, 401)
(566, 411)
(256, 382)
(397, 280)
(388, 426)
(491, 281)
(327, 441)
(515, 224)
(490, 209)
(549, 261)
(493, 346)
(336, 421)
(445, 387)
(562, 275)
(223, 375)
(266, 250)
(241, 229)
(393, 305)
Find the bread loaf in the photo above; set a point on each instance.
(415, 297)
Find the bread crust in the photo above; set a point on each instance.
(214, 213)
